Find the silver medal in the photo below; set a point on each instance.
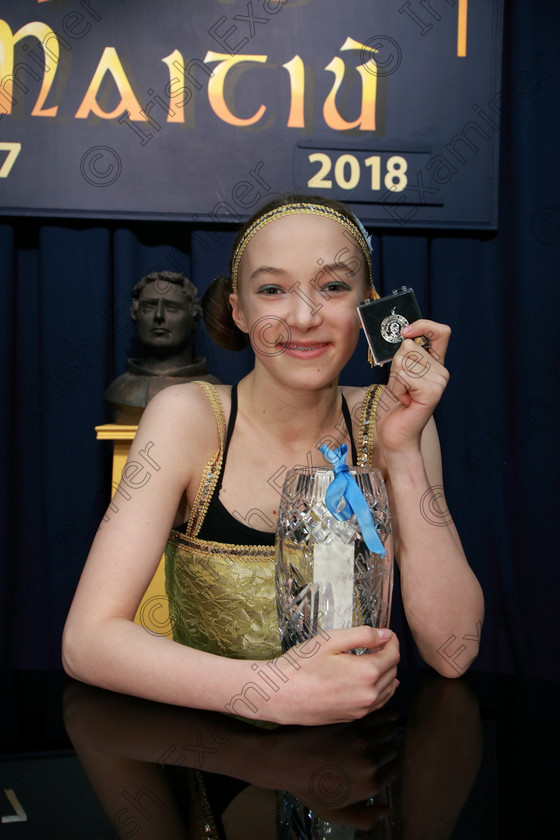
(391, 327)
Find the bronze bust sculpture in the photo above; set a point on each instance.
(166, 310)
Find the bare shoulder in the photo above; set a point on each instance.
(181, 423)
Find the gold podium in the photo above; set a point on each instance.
(153, 610)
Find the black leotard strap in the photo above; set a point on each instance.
(348, 421)
(232, 418)
(229, 432)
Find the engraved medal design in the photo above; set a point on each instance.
(391, 327)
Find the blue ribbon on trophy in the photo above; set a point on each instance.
(344, 498)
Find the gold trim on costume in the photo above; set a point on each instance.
(229, 552)
(367, 425)
(212, 469)
(290, 210)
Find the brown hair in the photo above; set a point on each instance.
(216, 307)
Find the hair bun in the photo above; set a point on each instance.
(218, 317)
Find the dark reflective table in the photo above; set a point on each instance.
(467, 758)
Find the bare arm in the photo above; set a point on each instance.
(101, 643)
(441, 595)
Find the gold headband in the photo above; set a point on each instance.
(289, 210)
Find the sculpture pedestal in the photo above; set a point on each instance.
(153, 610)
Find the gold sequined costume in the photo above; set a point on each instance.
(222, 596)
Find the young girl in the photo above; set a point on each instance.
(299, 269)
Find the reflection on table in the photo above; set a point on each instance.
(467, 758)
(160, 771)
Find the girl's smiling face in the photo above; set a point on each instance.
(300, 280)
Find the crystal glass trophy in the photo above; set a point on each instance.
(329, 573)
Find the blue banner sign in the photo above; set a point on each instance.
(200, 110)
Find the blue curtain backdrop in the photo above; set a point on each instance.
(66, 333)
